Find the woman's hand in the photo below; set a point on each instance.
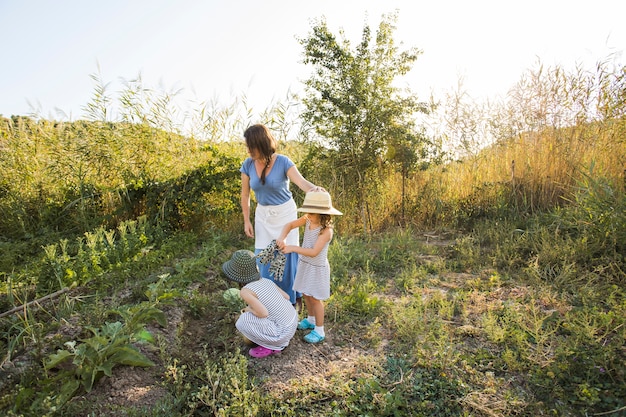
(248, 229)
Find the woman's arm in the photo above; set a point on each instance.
(294, 176)
(245, 205)
(254, 305)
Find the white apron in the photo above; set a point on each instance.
(269, 222)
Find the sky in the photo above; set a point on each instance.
(216, 50)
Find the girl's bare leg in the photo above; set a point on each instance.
(315, 308)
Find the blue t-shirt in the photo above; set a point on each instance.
(276, 189)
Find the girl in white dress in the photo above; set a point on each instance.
(269, 320)
(313, 272)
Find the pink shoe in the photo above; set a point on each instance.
(261, 352)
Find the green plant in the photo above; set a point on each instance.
(353, 104)
(597, 215)
(200, 304)
(111, 345)
(402, 389)
(410, 278)
(162, 291)
(25, 330)
(233, 300)
(225, 388)
(468, 254)
(409, 323)
(356, 298)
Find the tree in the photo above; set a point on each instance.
(352, 104)
(401, 152)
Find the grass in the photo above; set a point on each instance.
(453, 335)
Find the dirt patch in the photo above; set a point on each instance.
(128, 387)
(301, 360)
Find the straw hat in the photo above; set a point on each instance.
(318, 202)
(241, 267)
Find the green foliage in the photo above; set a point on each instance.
(195, 200)
(201, 304)
(111, 345)
(233, 300)
(356, 299)
(67, 265)
(352, 103)
(411, 277)
(163, 291)
(81, 175)
(391, 386)
(408, 321)
(453, 345)
(384, 254)
(468, 254)
(422, 391)
(580, 244)
(596, 217)
(223, 389)
(587, 368)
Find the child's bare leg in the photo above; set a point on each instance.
(318, 311)
(310, 308)
(318, 334)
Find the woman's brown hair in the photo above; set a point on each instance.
(258, 137)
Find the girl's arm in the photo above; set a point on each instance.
(280, 241)
(254, 305)
(324, 237)
(245, 205)
(305, 185)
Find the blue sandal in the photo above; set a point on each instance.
(305, 325)
(313, 337)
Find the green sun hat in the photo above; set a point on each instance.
(241, 267)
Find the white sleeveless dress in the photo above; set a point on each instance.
(313, 274)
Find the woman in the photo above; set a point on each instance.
(269, 320)
(269, 174)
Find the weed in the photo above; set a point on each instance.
(356, 298)
(409, 279)
(224, 389)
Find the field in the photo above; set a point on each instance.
(480, 281)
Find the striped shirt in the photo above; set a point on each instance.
(276, 330)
